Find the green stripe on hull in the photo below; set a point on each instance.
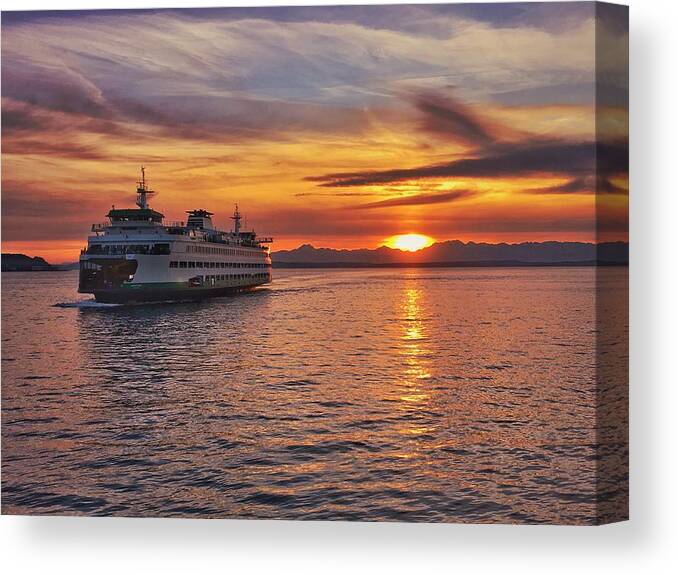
(185, 285)
(157, 285)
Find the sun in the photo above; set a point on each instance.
(409, 242)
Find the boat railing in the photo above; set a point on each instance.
(100, 226)
(176, 224)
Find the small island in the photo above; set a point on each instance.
(24, 263)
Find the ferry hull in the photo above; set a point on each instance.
(150, 295)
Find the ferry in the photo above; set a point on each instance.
(135, 257)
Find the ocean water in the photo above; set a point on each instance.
(455, 395)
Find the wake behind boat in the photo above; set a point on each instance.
(135, 257)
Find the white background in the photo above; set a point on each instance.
(646, 544)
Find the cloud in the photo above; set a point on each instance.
(199, 69)
(418, 200)
(583, 185)
(507, 160)
(447, 117)
(20, 118)
(29, 146)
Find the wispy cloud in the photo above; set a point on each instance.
(418, 200)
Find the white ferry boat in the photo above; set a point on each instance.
(135, 257)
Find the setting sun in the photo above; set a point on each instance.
(409, 242)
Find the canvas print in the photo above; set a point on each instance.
(363, 263)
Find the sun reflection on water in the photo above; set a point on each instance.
(415, 354)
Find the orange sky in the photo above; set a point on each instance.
(335, 127)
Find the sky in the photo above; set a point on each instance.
(332, 126)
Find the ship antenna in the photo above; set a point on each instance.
(236, 217)
(142, 190)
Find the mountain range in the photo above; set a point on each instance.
(455, 252)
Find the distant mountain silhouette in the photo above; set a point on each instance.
(24, 263)
(455, 252)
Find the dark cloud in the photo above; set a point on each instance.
(418, 200)
(449, 118)
(18, 119)
(31, 146)
(22, 119)
(605, 186)
(55, 89)
(338, 194)
(583, 185)
(572, 159)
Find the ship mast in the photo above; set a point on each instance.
(142, 190)
(236, 217)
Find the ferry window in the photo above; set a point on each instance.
(161, 249)
(198, 264)
(191, 264)
(174, 264)
(182, 264)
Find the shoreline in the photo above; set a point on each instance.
(485, 264)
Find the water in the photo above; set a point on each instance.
(411, 395)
